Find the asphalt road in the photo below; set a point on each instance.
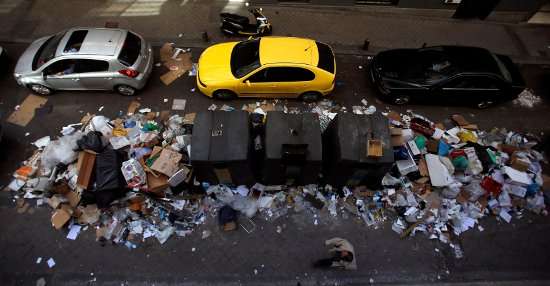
(515, 252)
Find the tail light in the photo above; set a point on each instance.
(129, 72)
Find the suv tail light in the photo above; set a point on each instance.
(129, 72)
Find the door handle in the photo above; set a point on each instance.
(76, 79)
(109, 78)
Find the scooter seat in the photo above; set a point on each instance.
(235, 18)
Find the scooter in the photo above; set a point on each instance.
(237, 25)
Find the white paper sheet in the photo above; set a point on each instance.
(74, 230)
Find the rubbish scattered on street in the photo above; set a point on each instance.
(74, 230)
(41, 282)
(25, 112)
(131, 178)
(51, 262)
(527, 98)
(176, 60)
(179, 104)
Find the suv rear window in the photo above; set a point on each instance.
(326, 57)
(130, 50)
(75, 41)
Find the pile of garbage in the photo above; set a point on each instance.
(130, 179)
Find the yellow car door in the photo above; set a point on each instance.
(256, 85)
(277, 82)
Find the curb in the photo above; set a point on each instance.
(346, 50)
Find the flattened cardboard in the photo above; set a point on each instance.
(156, 184)
(170, 77)
(459, 120)
(26, 111)
(396, 131)
(167, 162)
(179, 104)
(189, 118)
(397, 140)
(177, 67)
(59, 218)
(85, 167)
(133, 106)
(394, 116)
(73, 198)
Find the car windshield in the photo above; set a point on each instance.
(245, 57)
(130, 50)
(505, 72)
(46, 51)
(433, 64)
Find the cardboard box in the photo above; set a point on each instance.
(374, 148)
(508, 149)
(397, 140)
(85, 167)
(520, 164)
(157, 184)
(432, 146)
(60, 217)
(396, 131)
(73, 198)
(167, 163)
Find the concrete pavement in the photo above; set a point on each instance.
(184, 21)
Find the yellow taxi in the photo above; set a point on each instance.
(269, 67)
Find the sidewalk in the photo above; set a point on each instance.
(184, 22)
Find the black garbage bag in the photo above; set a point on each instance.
(107, 171)
(102, 198)
(91, 141)
(227, 214)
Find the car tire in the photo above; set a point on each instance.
(310, 96)
(40, 89)
(484, 104)
(401, 100)
(224, 94)
(125, 90)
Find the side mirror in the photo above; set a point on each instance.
(44, 75)
(247, 82)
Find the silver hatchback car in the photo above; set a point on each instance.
(86, 59)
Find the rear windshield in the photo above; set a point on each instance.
(75, 41)
(130, 50)
(245, 57)
(47, 51)
(326, 57)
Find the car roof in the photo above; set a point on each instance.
(472, 59)
(288, 50)
(97, 41)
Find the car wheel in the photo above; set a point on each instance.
(224, 94)
(310, 96)
(484, 104)
(40, 89)
(401, 100)
(125, 90)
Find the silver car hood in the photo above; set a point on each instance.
(24, 64)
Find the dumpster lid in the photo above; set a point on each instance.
(293, 129)
(355, 131)
(220, 136)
